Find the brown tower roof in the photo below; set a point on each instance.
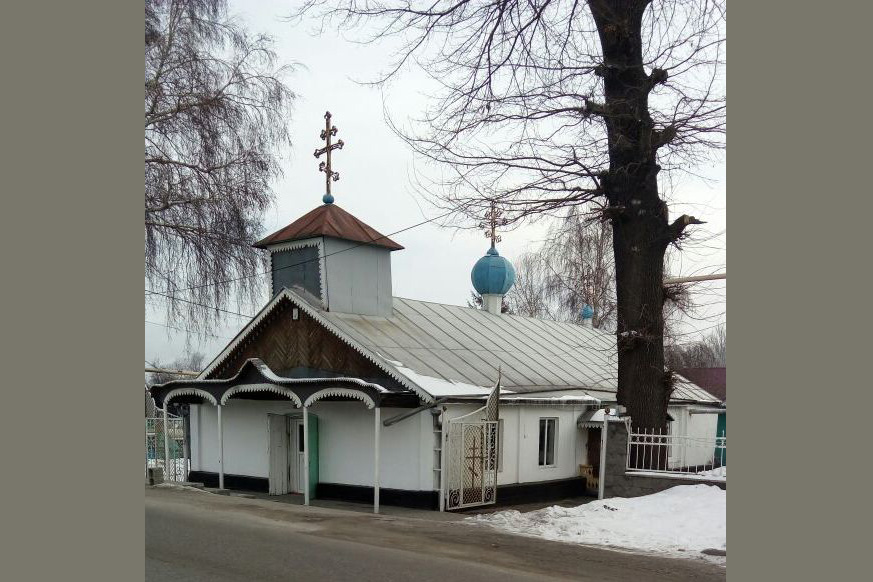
(329, 220)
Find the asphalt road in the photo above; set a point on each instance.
(193, 536)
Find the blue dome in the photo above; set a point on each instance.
(587, 312)
(492, 274)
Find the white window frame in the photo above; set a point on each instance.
(554, 443)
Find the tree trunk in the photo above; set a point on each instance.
(641, 231)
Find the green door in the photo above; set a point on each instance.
(721, 431)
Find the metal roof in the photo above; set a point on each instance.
(439, 350)
(451, 350)
(329, 220)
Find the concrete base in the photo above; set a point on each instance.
(155, 475)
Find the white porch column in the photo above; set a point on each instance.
(378, 431)
(306, 455)
(166, 444)
(187, 454)
(220, 450)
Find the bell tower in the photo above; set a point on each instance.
(330, 257)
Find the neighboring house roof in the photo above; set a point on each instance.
(329, 220)
(448, 350)
(713, 380)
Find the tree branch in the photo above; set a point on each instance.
(677, 228)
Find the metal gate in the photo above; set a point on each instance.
(471, 463)
(166, 447)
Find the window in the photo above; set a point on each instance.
(548, 432)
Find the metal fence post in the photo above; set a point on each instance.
(166, 444)
(602, 477)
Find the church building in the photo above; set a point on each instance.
(337, 389)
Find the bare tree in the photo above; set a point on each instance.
(529, 295)
(189, 362)
(710, 352)
(546, 104)
(215, 115)
(581, 270)
(571, 269)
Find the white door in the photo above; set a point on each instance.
(278, 453)
(296, 457)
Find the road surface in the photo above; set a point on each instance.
(194, 536)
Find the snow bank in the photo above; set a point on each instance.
(179, 487)
(719, 472)
(680, 521)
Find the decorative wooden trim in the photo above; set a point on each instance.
(241, 336)
(295, 244)
(328, 392)
(299, 244)
(189, 392)
(402, 380)
(286, 392)
(297, 301)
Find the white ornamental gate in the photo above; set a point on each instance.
(166, 448)
(471, 463)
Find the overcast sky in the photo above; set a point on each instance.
(376, 186)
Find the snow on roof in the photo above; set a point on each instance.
(440, 387)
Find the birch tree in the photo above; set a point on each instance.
(216, 113)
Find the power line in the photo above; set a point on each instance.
(200, 304)
(187, 330)
(360, 244)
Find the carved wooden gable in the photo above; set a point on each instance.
(284, 343)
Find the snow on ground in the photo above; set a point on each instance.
(719, 472)
(680, 521)
(179, 486)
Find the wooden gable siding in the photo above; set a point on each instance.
(283, 344)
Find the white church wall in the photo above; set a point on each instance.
(700, 427)
(565, 452)
(358, 277)
(520, 445)
(345, 443)
(346, 433)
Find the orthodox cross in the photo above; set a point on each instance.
(493, 220)
(325, 166)
(474, 456)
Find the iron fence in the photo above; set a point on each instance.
(165, 447)
(655, 451)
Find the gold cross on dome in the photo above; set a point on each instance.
(493, 220)
(325, 166)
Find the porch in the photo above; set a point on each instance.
(287, 405)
